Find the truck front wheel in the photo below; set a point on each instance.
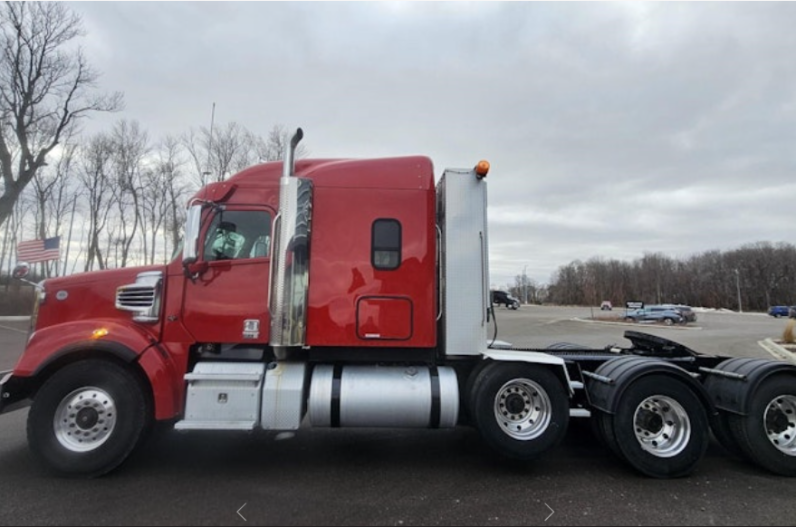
(87, 418)
(521, 409)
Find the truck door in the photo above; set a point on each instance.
(228, 301)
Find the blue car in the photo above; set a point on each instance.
(782, 311)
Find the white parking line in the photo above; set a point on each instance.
(24, 331)
(776, 350)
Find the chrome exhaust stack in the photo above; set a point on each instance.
(290, 257)
(289, 165)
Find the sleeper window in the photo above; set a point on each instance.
(386, 244)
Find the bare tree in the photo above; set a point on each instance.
(130, 145)
(218, 155)
(170, 165)
(54, 195)
(46, 88)
(233, 148)
(96, 179)
(273, 148)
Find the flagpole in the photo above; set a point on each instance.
(69, 236)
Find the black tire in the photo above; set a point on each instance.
(105, 414)
(671, 420)
(533, 401)
(668, 321)
(515, 306)
(751, 434)
(601, 427)
(720, 426)
(468, 396)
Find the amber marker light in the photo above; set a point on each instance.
(99, 333)
(481, 169)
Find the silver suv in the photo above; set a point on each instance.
(655, 314)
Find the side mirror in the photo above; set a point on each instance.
(192, 224)
(21, 271)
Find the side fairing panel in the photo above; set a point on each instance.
(465, 261)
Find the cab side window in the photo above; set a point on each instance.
(237, 235)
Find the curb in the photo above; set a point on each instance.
(637, 325)
(777, 351)
(14, 319)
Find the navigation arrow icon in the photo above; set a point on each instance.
(244, 519)
(551, 512)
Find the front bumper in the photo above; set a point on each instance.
(13, 392)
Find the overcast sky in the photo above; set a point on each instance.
(613, 129)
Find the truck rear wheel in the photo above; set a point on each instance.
(767, 434)
(602, 428)
(521, 409)
(87, 418)
(720, 426)
(660, 427)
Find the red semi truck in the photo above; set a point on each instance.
(355, 293)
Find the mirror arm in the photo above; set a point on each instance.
(186, 269)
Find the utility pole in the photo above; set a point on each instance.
(738, 288)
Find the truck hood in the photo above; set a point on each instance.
(86, 296)
(122, 276)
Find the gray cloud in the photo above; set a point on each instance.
(613, 129)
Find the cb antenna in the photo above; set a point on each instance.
(210, 141)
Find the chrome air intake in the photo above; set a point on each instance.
(142, 297)
(290, 258)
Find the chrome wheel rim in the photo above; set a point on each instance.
(85, 419)
(662, 426)
(522, 409)
(779, 420)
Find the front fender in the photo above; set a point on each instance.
(52, 343)
(128, 343)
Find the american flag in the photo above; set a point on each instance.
(39, 250)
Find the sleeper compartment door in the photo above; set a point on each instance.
(384, 318)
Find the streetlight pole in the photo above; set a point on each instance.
(525, 284)
(738, 288)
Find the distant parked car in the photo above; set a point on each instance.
(606, 306)
(781, 311)
(686, 311)
(504, 298)
(655, 314)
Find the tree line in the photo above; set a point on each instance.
(750, 278)
(117, 197)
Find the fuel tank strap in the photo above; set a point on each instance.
(435, 398)
(337, 375)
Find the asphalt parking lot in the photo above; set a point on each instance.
(403, 477)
